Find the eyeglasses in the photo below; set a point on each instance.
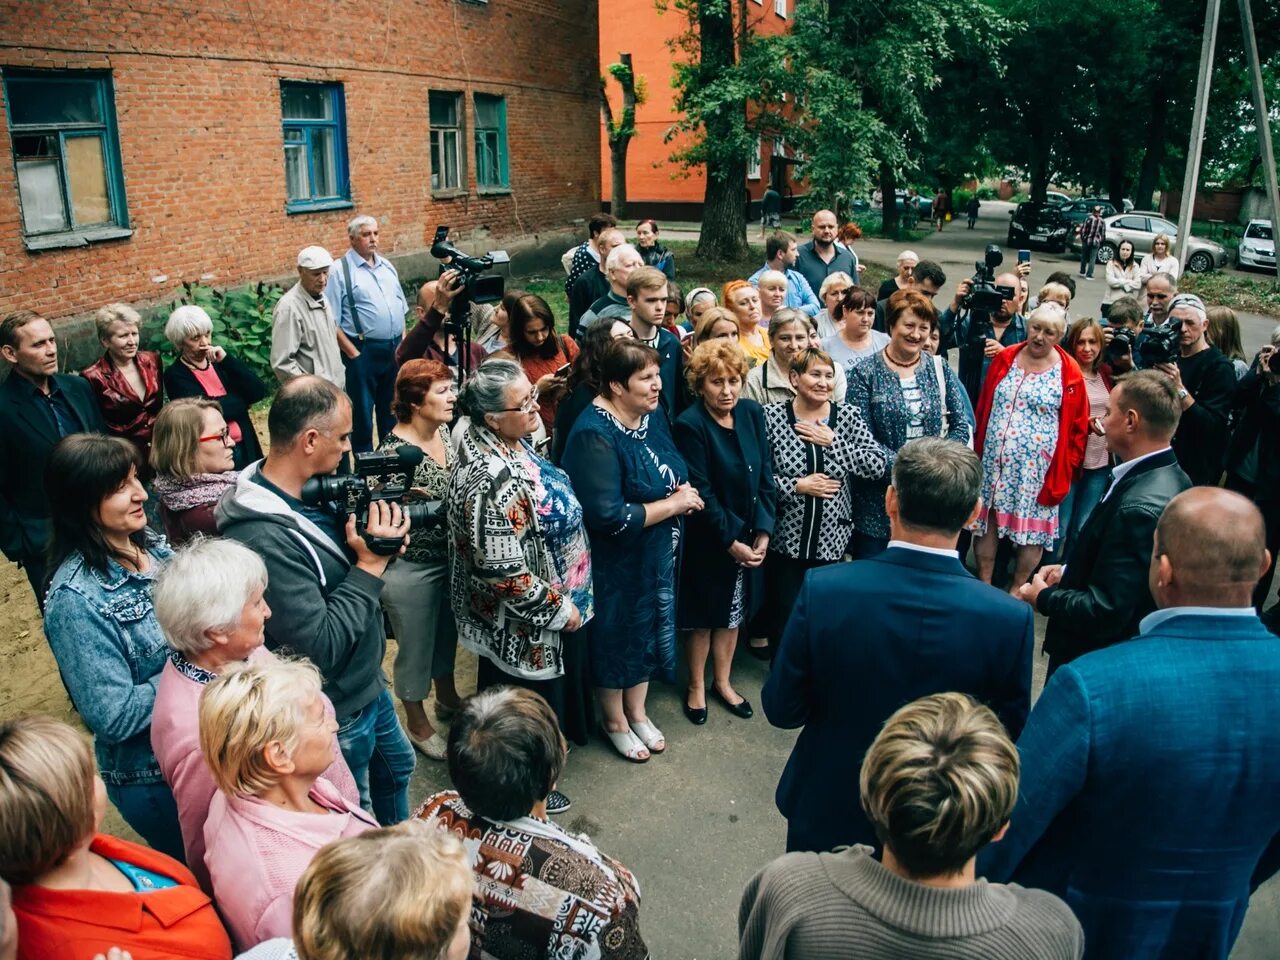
(528, 406)
(224, 436)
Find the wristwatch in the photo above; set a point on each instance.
(1183, 393)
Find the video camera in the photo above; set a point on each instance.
(477, 288)
(985, 296)
(379, 475)
(1155, 345)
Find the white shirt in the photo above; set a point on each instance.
(1153, 620)
(919, 548)
(1118, 471)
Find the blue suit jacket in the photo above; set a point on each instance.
(1151, 786)
(864, 639)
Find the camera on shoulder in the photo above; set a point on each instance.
(985, 296)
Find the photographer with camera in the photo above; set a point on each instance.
(1253, 460)
(434, 337)
(1206, 384)
(985, 317)
(325, 580)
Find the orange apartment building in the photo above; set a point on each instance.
(657, 186)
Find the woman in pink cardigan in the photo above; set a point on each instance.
(208, 601)
(268, 739)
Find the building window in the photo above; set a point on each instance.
(315, 145)
(780, 8)
(446, 141)
(491, 142)
(753, 163)
(66, 153)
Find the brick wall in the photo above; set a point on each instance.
(197, 101)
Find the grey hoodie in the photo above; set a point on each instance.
(322, 606)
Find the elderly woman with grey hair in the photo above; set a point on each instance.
(520, 567)
(203, 370)
(209, 602)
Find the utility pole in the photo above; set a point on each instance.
(1191, 179)
(1261, 113)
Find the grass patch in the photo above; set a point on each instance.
(1259, 294)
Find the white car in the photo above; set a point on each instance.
(1257, 246)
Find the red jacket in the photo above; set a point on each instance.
(1073, 421)
(178, 923)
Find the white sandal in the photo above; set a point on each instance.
(628, 745)
(649, 735)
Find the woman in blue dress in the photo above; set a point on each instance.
(633, 487)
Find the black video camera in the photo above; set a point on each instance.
(476, 286)
(1161, 345)
(985, 297)
(379, 475)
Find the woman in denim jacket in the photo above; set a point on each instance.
(99, 622)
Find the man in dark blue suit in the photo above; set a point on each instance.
(867, 637)
(1151, 769)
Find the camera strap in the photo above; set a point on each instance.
(351, 299)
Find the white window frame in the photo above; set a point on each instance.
(753, 163)
(780, 8)
(438, 142)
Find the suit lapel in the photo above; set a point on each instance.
(26, 406)
(79, 403)
(1095, 526)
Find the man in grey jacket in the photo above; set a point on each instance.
(304, 336)
(324, 582)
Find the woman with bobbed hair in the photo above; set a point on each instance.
(536, 885)
(204, 370)
(1033, 422)
(1224, 333)
(790, 332)
(415, 591)
(126, 380)
(831, 293)
(633, 486)
(78, 892)
(724, 441)
(520, 568)
(209, 602)
(584, 378)
(903, 392)
(535, 345)
(193, 464)
(938, 784)
(743, 300)
(99, 621)
(268, 739)
(856, 340)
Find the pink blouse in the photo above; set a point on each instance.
(213, 388)
(1095, 447)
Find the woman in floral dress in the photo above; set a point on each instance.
(1033, 420)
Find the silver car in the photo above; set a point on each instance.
(1258, 246)
(1140, 227)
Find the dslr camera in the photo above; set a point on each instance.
(985, 296)
(1161, 345)
(379, 475)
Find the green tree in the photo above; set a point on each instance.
(620, 132)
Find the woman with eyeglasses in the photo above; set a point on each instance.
(520, 568)
(191, 454)
(1160, 259)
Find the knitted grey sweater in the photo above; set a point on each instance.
(838, 906)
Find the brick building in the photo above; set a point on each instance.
(656, 186)
(152, 143)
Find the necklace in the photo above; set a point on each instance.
(898, 363)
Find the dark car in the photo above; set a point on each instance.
(1038, 224)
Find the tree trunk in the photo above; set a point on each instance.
(620, 133)
(1039, 142)
(1153, 157)
(724, 209)
(1115, 176)
(889, 201)
(618, 166)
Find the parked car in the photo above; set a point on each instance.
(1140, 227)
(925, 206)
(1053, 196)
(1077, 212)
(1258, 246)
(1038, 224)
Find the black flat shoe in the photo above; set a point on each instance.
(760, 653)
(696, 715)
(740, 709)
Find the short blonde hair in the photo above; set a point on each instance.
(114, 313)
(772, 278)
(186, 321)
(713, 357)
(398, 893)
(175, 436)
(939, 782)
(249, 706)
(1051, 292)
(833, 279)
(46, 796)
(710, 317)
(1049, 313)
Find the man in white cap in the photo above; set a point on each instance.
(304, 335)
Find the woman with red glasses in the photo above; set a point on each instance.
(191, 454)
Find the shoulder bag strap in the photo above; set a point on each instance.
(942, 392)
(351, 298)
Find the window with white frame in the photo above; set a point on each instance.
(780, 8)
(753, 162)
(447, 154)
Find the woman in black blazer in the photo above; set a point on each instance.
(204, 370)
(725, 443)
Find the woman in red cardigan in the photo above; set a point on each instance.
(1033, 419)
(76, 892)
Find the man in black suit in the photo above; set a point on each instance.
(867, 637)
(1100, 596)
(38, 407)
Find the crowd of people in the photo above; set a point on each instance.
(792, 460)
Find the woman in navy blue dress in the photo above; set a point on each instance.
(633, 487)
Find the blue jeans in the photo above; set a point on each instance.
(1083, 496)
(1088, 256)
(150, 809)
(371, 383)
(380, 757)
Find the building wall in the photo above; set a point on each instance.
(197, 101)
(654, 181)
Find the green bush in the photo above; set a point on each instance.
(1260, 294)
(241, 323)
(988, 193)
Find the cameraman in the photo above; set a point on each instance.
(324, 582)
(1253, 460)
(430, 339)
(1206, 383)
(1123, 356)
(1008, 326)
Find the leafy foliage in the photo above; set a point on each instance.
(241, 322)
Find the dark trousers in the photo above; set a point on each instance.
(1271, 517)
(784, 576)
(1088, 257)
(488, 674)
(35, 568)
(371, 383)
